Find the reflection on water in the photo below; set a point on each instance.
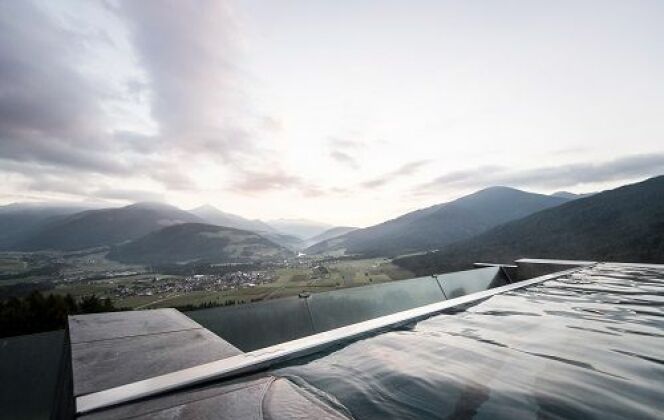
(589, 345)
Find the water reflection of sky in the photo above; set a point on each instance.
(589, 345)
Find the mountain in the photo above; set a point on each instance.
(330, 234)
(190, 242)
(214, 216)
(21, 220)
(440, 225)
(93, 228)
(570, 196)
(301, 228)
(290, 242)
(624, 224)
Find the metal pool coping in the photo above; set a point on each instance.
(264, 358)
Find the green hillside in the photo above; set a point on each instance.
(105, 227)
(198, 242)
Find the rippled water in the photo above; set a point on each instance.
(589, 345)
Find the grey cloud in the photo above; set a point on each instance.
(552, 177)
(173, 180)
(41, 178)
(67, 180)
(253, 181)
(54, 118)
(49, 112)
(344, 150)
(129, 195)
(344, 158)
(135, 89)
(188, 49)
(276, 180)
(404, 170)
(409, 168)
(339, 143)
(467, 175)
(375, 183)
(55, 183)
(272, 124)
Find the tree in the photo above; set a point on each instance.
(36, 313)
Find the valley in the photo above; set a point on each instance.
(149, 255)
(186, 286)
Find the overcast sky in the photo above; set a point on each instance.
(347, 112)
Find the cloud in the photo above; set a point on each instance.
(336, 143)
(188, 50)
(277, 179)
(468, 175)
(552, 177)
(55, 113)
(344, 158)
(272, 124)
(49, 112)
(344, 150)
(129, 195)
(255, 181)
(404, 170)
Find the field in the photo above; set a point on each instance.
(12, 265)
(84, 274)
(289, 281)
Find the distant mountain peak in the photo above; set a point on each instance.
(623, 224)
(570, 195)
(103, 227)
(152, 205)
(213, 215)
(300, 228)
(298, 220)
(205, 207)
(436, 226)
(497, 188)
(500, 189)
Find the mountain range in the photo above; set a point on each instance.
(21, 220)
(214, 216)
(624, 224)
(95, 228)
(437, 226)
(217, 217)
(64, 226)
(494, 224)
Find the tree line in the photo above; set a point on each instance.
(38, 313)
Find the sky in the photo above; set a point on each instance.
(346, 112)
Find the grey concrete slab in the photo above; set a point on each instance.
(241, 400)
(104, 364)
(104, 326)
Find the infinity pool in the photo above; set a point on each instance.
(586, 345)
